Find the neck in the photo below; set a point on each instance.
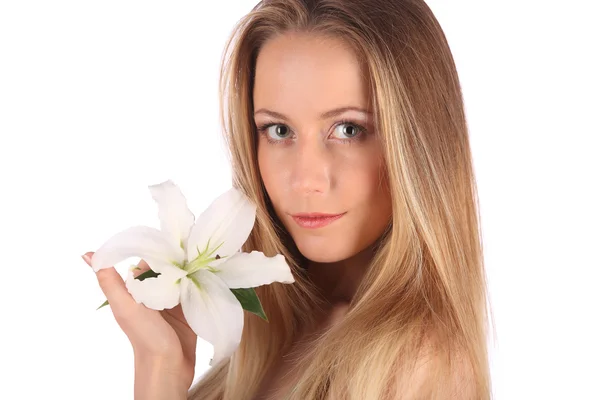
(338, 281)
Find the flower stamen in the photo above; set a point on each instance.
(203, 260)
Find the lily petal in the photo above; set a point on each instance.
(150, 244)
(247, 270)
(228, 220)
(213, 313)
(176, 219)
(156, 293)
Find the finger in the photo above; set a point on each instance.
(113, 286)
(141, 267)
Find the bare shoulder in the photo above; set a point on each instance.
(454, 374)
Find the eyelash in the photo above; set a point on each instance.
(262, 130)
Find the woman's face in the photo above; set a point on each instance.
(317, 151)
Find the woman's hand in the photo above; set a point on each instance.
(164, 345)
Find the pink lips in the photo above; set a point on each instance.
(315, 220)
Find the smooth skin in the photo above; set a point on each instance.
(317, 152)
(164, 346)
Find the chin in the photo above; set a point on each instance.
(322, 252)
(321, 258)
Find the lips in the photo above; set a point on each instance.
(315, 220)
(316, 215)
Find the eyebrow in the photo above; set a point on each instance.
(325, 115)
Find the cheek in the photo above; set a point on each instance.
(367, 189)
(272, 175)
(381, 210)
(359, 186)
(364, 180)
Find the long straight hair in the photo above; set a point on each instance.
(424, 294)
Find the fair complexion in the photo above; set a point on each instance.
(318, 153)
(328, 160)
(164, 346)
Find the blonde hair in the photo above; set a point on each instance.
(417, 325)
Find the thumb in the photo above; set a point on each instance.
(113, 286)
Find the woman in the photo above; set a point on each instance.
(350, 108)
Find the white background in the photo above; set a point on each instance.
(98, 100)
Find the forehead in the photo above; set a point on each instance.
(304, 73)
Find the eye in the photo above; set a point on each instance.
(347, 130)
(275, 131)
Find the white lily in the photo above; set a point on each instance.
(198, 263)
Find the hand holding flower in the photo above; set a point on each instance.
(193, 276)
(164, 346)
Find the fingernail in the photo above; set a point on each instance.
(87, 259)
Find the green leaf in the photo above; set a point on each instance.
(147, 274)
(103, 304)
(141, 277)
(250, 301)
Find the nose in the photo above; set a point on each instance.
(311, 168)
